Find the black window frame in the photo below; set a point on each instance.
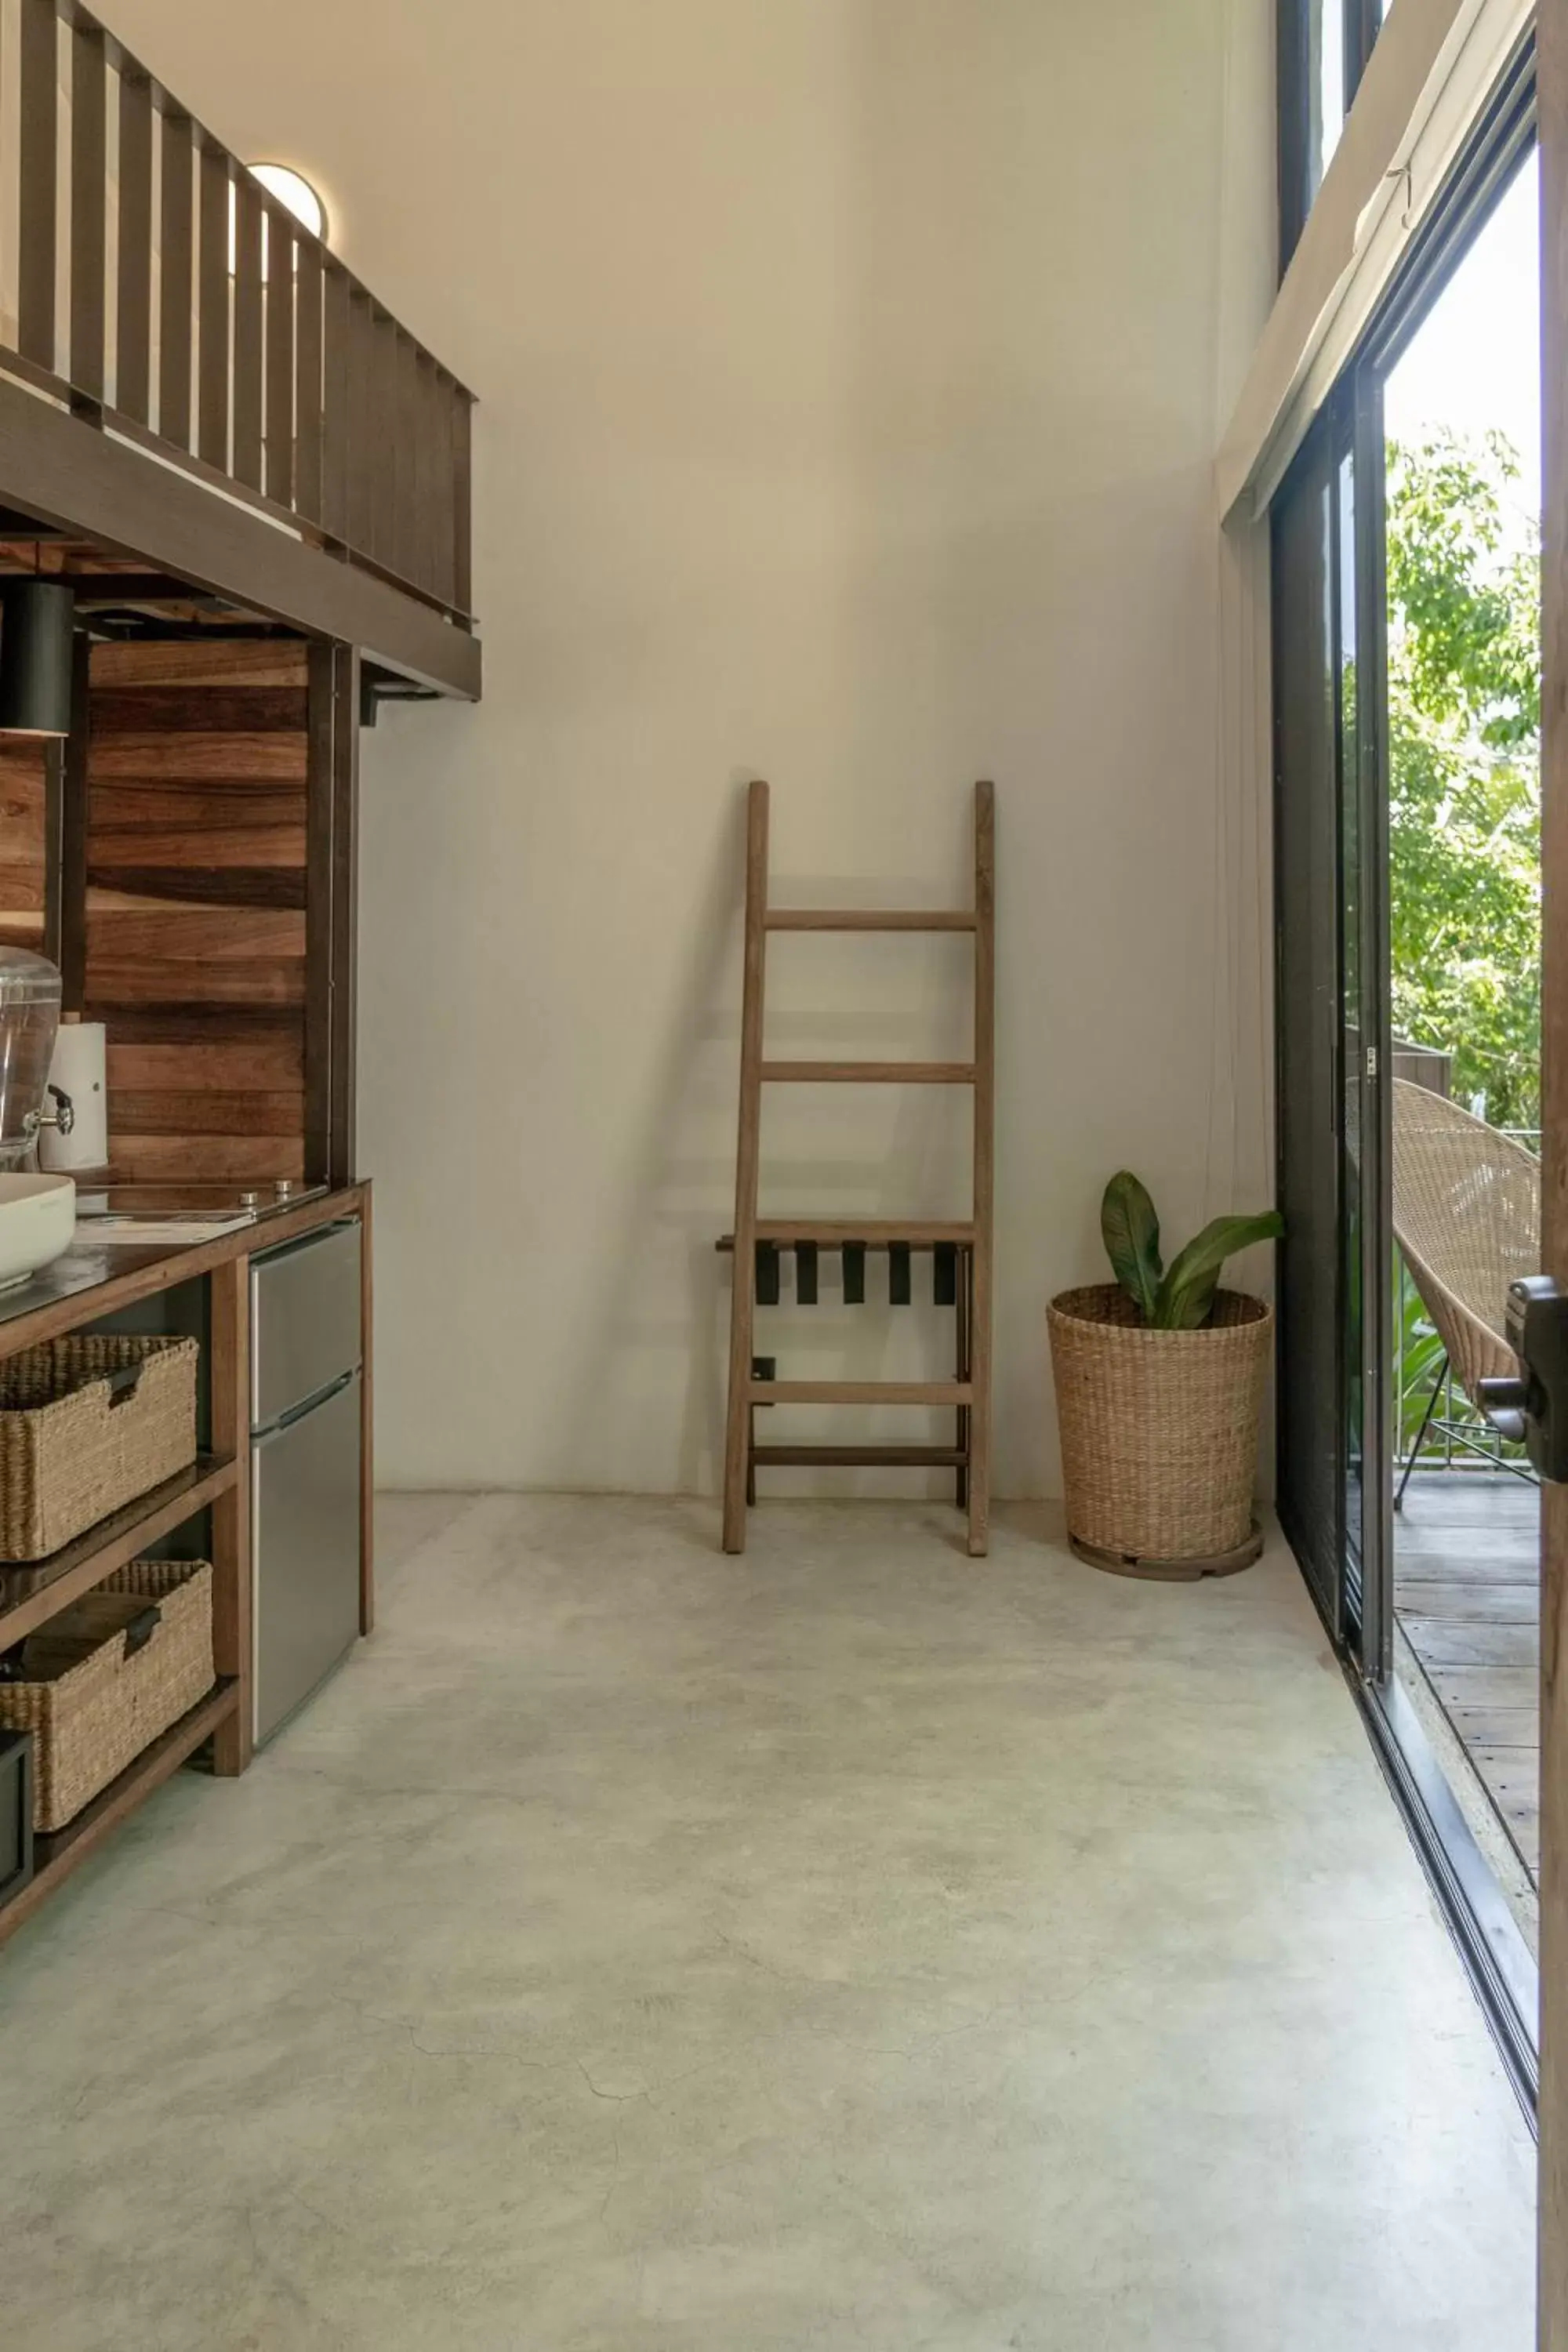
(1299, 23)
(1355, 1595)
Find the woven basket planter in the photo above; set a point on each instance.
(87, 1425)
(102, 1680)
(1159, 1432)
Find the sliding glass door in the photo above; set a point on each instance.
(1332, 1013)
(1366, 1243)
(1407, 804)
(1307, 696)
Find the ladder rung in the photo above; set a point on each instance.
(872, 1233)
(959, 1441)
(859, 1457)
(862, 1392)
(869, 918)
(870, 1074)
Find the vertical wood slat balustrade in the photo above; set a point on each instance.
(134, 316)
(281, 271)
(212, 306)
(248, 299)
(362, 415)
(309, 381)
(335, 403)
(40, 150)
(179, 305)
(176, 295)
(89, 220)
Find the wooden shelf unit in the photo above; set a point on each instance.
(869, 1232)
(31, 1595)
(34, 1592)
(57, 1855)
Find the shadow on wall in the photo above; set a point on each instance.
(660, 1178)
(679, 1203)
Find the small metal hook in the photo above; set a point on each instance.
(1406, 171)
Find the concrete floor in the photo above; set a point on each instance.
(635, 1950)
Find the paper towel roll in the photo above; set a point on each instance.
(78, 1069)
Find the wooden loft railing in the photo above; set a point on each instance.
(157, 290)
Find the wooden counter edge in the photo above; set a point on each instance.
(185, 1262)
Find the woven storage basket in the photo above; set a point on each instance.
(87, 1425)
(1159, 1431)
(107, 1676)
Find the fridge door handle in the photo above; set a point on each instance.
(286, 1421)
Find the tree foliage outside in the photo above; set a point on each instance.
(1464, 705)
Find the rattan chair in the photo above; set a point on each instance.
(1466, 1216)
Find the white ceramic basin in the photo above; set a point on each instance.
(37, 1222)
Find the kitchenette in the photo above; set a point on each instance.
(186, 1377)
(185, 1436)
(186, 1474)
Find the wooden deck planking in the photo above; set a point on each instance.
(1494, 1726)
(1513, 1687)
(1468, 1597)
(1470, 1601)
(1490, 1556)
(1446, 1641)
(1512, 1778)
(1479, 1498)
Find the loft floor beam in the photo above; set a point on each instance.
(79, 479)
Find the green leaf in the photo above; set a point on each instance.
(1464, 720)
(1185, 1299)
(1131, 1234)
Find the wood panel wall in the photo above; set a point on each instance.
(192, 945)
(24, 855)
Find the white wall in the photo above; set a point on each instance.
(851, 372)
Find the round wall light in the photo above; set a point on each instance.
(294, 192)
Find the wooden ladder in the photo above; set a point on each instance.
(968, 1243)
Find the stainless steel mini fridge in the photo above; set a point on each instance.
(304, 1465)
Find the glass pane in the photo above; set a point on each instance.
(1323, 46)
(1329, 84)
(1462, 410)
(1309, 1017)
(1356, 1014)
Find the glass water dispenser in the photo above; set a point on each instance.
(30, 1018)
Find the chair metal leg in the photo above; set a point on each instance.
(1425, 1425)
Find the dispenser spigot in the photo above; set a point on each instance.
(62, 1117)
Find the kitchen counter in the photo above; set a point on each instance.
(194, 1199)
(61, 1298)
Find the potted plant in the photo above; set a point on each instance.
(1159, 1379)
